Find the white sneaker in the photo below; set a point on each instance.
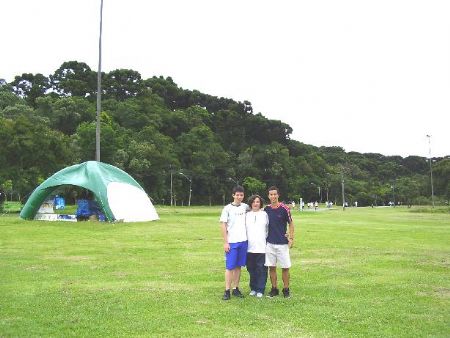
(259, 295)
(252, 293)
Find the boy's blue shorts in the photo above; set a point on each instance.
(237, 256)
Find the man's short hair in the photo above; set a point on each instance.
(252, 198)
(238, 188)
(274, 188)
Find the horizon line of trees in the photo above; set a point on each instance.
(154, 130)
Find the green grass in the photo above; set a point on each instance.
(364, 272)
(10, 207)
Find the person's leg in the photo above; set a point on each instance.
(230, 265)
(228, 278)
(241, 260)
(260, 273)
(285, 276)
(285, 263)
(273, 276)
(251, 268)
(236, 277)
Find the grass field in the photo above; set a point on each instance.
(360, 273)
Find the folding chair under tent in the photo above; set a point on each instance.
(119, 196)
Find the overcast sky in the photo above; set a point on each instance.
(369, 76)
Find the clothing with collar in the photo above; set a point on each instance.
(234, 217)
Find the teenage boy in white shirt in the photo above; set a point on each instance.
(234, 234)
(257, 222)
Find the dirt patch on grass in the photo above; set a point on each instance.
(69, 258)
(317, 261)
(438, 292)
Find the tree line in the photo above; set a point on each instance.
(160, 134)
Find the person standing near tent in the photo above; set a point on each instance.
(279, 241)
(2, 199)
(257, 222)
(234, 234)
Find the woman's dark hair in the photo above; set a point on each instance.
(252, 198)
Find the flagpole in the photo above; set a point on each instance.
(99, 88)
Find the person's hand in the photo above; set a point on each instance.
(290, 242)
(226, 247)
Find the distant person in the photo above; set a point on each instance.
(257, 223)
(2, 199)
(278, 242)
(234, 234)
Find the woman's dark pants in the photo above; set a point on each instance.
(257, 271)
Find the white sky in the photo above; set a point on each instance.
(369, 76)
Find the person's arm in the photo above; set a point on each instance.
(267, 224)
(226, 245)
(291, 234)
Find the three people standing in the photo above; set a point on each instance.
(266, 239)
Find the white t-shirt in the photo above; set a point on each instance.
(234, 217)
(257, 223)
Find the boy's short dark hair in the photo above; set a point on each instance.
(274, 188)
(238, 188)
(252, 198)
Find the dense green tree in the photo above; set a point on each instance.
(122, 84)
(84, 141)
(74, 78)
(66, 113)
(441, 173)
(30, 151)
(154, 129)
(30, 86)
(254, 186)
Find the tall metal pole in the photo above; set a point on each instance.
(431, 171)
(343, 193)
(190, 186)
(99, 88)
(190, 191)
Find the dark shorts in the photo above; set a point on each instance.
(237, 256)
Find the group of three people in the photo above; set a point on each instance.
(259, 239)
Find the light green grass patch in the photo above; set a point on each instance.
(357, 273)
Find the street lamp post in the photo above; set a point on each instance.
(190, 186)
(393, 193)
(431, 171)
(171, 186)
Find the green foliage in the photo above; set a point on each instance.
(152, 127)
(254, 186)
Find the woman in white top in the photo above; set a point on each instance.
(256, 221)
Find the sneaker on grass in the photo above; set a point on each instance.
(237, 293)
(252, 293)
(226, 295)
(274, 292)
(286, 293)
(259, 295)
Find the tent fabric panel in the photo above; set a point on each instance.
(129, 203)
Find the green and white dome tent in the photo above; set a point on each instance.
(117, 193)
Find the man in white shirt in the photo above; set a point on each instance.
(234, 234)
